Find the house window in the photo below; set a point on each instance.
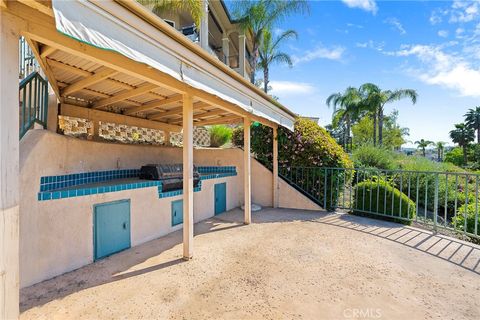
(170, 22)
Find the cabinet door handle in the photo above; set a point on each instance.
(125, 225)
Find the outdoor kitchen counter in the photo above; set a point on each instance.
(75, 185)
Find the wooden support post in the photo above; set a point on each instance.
(187, 177)
(167, 137)
(226, 49)
(246, 171)
(242, 54)
(9, 168)
(275, 167)
(204, 25)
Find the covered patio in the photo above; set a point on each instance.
(288, 264)
(117, 62)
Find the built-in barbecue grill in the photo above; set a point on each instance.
(170, 174)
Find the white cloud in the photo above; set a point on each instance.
(444, 69)
(465, 11)
(367, 5)
(289, 88)
(320, 52)
(379, 46)
(435, 18)
(395, 23)
(352, 25)
(443, 33)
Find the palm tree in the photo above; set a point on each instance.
(472, 120)
(257, 16)
(376, 99)
(440, 146)
(462, 135)
(269, 53)
(423, 144)
(347, 108)
(194, 7)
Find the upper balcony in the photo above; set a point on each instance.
(224, 36)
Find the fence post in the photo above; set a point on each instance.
(325, 191)
(435, 205)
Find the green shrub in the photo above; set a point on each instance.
(308, 146)
(390, 199)
(219, 135)
(454, 156)
(368, 156)
(459, 220)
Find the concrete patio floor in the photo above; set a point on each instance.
(288, 264)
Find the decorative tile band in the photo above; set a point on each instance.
(216, 169)
(217, 175)
(69, 180)
(54, 195)
(51, 186)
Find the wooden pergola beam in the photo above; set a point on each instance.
(98, 115)
(84, 73)
(222, 120)
(153, 105)
(86, 82)
(48, 71)
(91, 92)
(177, 110)
(143, 88)
(199, 116)
(46, 51)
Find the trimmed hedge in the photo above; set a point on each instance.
(386, 194)
(459, 220)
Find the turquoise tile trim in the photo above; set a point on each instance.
(174, 193)
(55, 195)
(51, 186)
(49, 183)
(217, 175)
(214, 169)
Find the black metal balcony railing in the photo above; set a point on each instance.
(446, 200)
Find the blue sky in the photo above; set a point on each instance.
(433, 47)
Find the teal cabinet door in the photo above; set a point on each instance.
(220, 198)
(177, 212)
(111, 228)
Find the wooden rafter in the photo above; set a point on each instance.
(84, 73)
(199, 116)
(221, 120)
(153, 105)
(46, 51)
(211, 113)
(85, 90)
(99, 94)
(43, 63)
(98, 115)
(86, 82)
(143, 88)
(177, 110)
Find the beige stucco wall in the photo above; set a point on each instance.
(56, 236)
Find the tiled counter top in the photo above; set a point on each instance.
(91, 183)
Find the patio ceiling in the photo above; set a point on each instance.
(84, 83)
(113, 87)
